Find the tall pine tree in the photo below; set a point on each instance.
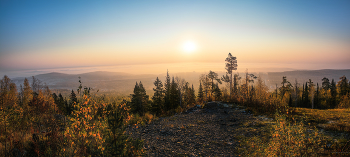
(333, 101)
(174, 95)
(343, 86)
(139, 100)
(167, 85)
(158, 97)
(200, 97)
(231, 64)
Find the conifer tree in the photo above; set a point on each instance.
(231, 64)
(326, 84)
(333, 94)
(343, 86)
(167, 85)
(139, 100)
(217, 92)
(213, 76)
(236, 77)
(206, 85)
(200, 96)
(144, 99)
(189, 96)
(72, 101)
(174, 95)
(181, 87)
(36, 85)
(62, 104)
(73, 98)
(316, 101)
(158, 97)
(286, 86)
(192, 96)
(311, 92)
(296, 93)
(306, 96)
(226, 78)
(302, 95)
(27, 92)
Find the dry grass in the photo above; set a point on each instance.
(296, 134)
(286, 139)
(331, 119)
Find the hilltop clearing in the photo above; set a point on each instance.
(229, 130)
(214, 130)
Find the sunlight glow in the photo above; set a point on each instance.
(189, 46)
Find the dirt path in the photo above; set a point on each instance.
(213, 131)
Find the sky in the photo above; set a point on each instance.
(152, 36)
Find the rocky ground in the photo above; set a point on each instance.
(211, 131)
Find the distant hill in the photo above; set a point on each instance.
(105, 82)
(124, 83)
(99, 80)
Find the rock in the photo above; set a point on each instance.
(331, 122)
(225, 105)
(211, 105)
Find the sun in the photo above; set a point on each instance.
(189, 46)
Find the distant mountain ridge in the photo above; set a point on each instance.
(102, 80)
(123, 83)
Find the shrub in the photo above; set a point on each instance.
(287, 139)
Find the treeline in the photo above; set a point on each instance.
(174, 96)
(328, 95)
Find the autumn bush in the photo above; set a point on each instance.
(260, 100)
(98, 128)
(31, 124)
(344, 102)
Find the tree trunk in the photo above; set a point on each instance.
(231, 85)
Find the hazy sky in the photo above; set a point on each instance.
(65, 34)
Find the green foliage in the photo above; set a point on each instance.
(174, 95)
(158, 98)
(189, 97)
(343, 86)
(217, 93)
(118, 143)
(167, 89)
(139, 100)
(213, 76)
(326, 84)
(286, 86)
(334, 93)
(200, 97)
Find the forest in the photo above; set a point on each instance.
(34, 121)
